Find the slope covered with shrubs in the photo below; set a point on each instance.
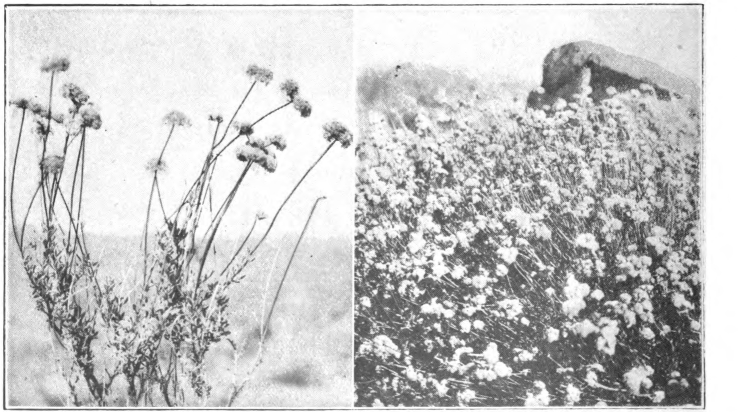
(509, 257)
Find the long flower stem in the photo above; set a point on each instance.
(150, 204)
(214, 158)
(28, 211)
(290, 262)
(58, 179)
(216, 223)
(13, 180)
(230, 122)
(75, 227)
(272, 223)
(238, 251)
(160, 197)
(252, 125)
(82, 177)
(72, 191)
(44, 147)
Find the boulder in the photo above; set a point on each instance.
(589, 69)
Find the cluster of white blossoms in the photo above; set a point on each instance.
(381, 346)
(538, 396)
(575, 293)
(638, 378)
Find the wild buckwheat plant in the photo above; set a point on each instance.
(146, 340)
(507, 257)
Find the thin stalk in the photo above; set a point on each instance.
(150, 204)
(75, 179)
(252, 125)
(214, 159)
(272, 223)
(28, 211)
(238, 251)
(290, 262)
(82, 176)
(44, 146)
(216, 223)
(160, 197)
(58, 179)
(228, 126)
(13, 180)
(75, 227)
(49, 117)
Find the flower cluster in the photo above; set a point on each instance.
(55, 64)
(516, 257)
(335, 131)
(259, 74)
(177, 118)
(290, 88)
(302, 106)
(261, 151)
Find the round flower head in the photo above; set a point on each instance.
(177, 118)
(21, 103)
(278, 141)
(75, 94)
(90, 117)
(260, 74)
(269, 162)
(258, 142)
(43, 112)
(52, 164)
(55, 64)
(336, 131)
(244, 129)
(216, 118)
(290, 88)
(247, 153)
(302, 106)
(155, 165)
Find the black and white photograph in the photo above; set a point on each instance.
(366, 206)
(178, 207)
(528, 225)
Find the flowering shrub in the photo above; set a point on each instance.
(149, 340)
(507, 257)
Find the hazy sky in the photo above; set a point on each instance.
(513, 40)
(138, 65)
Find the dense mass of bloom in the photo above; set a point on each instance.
(290, 88)
(76, 95)
(55, 64)
(259, 74)
(52, 164)
(90, 117)
(516, 257)
(302, 106)
(335, 131)
(177, 118)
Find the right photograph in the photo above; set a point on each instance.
(528, 211)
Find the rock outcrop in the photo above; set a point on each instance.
(589, 69)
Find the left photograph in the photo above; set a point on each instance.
(178, 207)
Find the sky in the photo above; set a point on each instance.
(512, 41)
(138, 65)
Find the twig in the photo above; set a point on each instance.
(271, 224)
(13, 180)
(290, 262)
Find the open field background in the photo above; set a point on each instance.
(307, 360)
